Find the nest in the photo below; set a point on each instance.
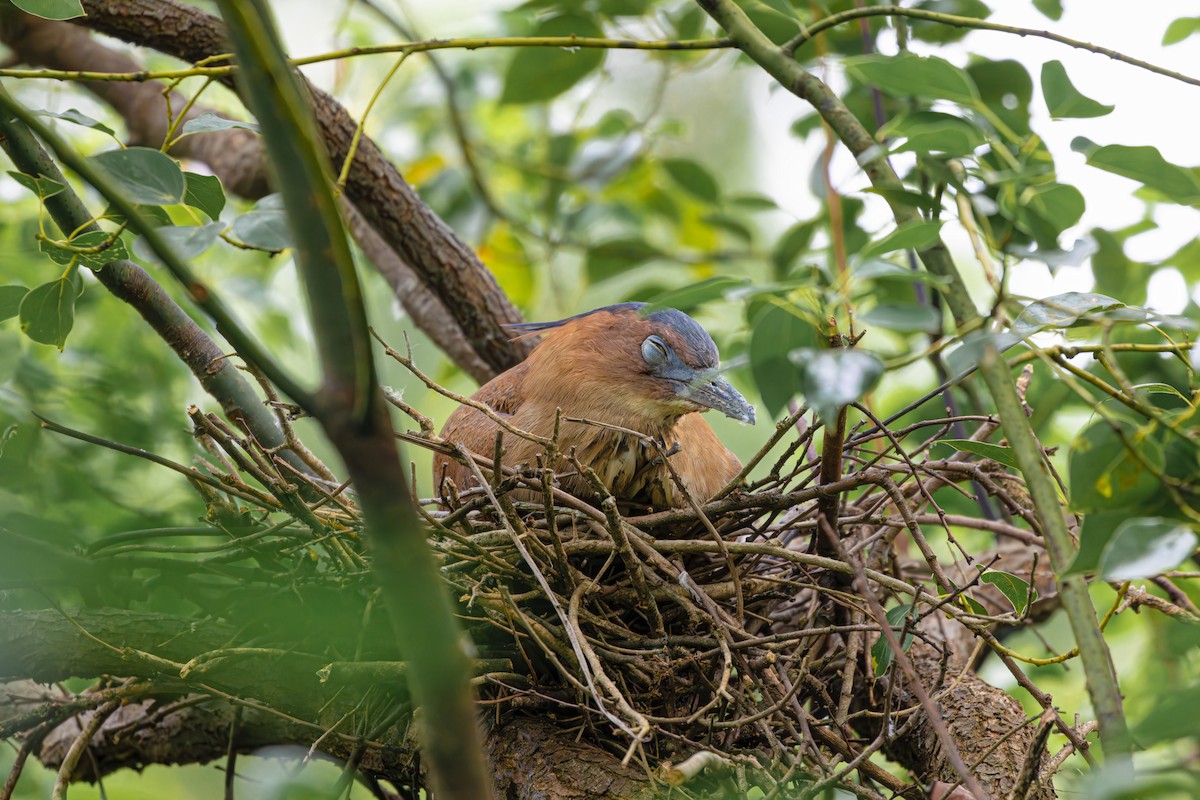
(737, 638)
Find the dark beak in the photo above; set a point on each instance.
(714, 392)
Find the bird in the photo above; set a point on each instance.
(638, 377)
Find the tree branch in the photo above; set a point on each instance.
(1097, 661)
(443, 262)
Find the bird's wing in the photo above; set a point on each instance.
(474, 430)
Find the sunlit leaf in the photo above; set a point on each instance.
(10, 301)
(908, 75)
(1181, 29)
(1145, 547)
(541, 73)
(48, 311)
(1063, 99)
(144, 175)
(831, 379)
(51, 9)
(205, 193)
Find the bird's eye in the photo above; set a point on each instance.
(654, 351)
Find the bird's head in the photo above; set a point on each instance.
(636, 363)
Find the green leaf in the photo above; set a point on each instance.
(794, 240)
(613, 257)
(113, 250)
(265, 226)
(689, 297)
(48, 311)
(1173, 716)
(1105, 475)
(205, 193)
(904, 317)
(10, 301)
(910, 236)
(1094, 535)
(1015, 589)
(541, 73)
(934, 132)
(42, 186)
(1181, 29)
(730, 225)
(831, 379)
(938, 32)
(1145, 547)
(1144, 164)
(1063, 99)
(881, 651)
(79, 118)
(209, 122)
(1049, 8)
(51, 9)
(1004, 87)
(975, 346)
(693, 178)
(773, 22)
(775, 330)
(907, 75)
(998, 453)
(145, 175)
(878, 269)
(1049, 209)
(187, 242)
(753, 201)
(1062, 311)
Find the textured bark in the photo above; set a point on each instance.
(531, 758)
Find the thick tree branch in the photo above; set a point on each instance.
(443, 262)
(236, 156)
